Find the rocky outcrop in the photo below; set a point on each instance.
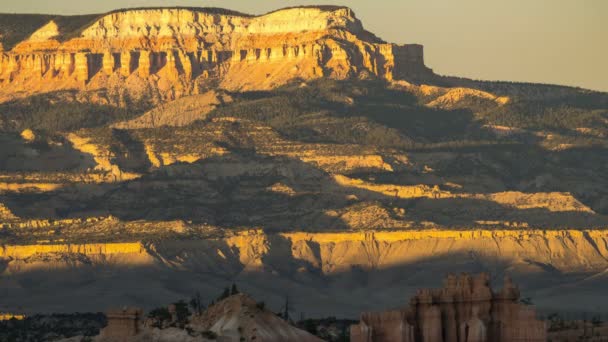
(123, 325)
(127, 325)
(565, 250)
(235, 318)
(184, 47)
(240, 318)
(180, 112)
(104, 158)
(6, 214)
(465, 310)
(552, 201)
(105, 249)
(371, 263)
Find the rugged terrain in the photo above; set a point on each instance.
(147, 154)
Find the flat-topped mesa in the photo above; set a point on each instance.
(186, 45)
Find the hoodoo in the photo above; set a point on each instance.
(465, 310)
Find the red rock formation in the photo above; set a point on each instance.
(465, 310)
(145, 64)
(387, 326)
(189, 45)
(123, 325)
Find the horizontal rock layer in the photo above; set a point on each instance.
(316, 265)
(185, 47)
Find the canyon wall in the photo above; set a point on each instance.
(107, 249)
(181, 48)
(377, 266)
(565, 250)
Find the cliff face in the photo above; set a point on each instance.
(312, 266)
(180, 49)
(466, 308)
(126, 25)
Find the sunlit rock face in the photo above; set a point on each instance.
(183, 49)
(317, 270)
(168, 22)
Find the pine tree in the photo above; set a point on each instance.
(234, 290)
(225, 294)
(196, 303)
(286, 313)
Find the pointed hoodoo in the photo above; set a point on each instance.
(466, 309)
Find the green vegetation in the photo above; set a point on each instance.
(329, 329)
(51, 112)
(227, 292)
(181, 313)
(234, 290)
(551, 116)
(159, 316)
(558, 323)
(332, 111)
(526, 301)
(209, 334)
(72, 26)
(196, 303)
(370, 113)
(350, 112)
(17, 27)
(52, 327)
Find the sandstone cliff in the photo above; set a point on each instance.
(311, 266)
(177, 50)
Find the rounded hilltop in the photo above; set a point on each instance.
(207, 10)
(225, 11)
(323, 8)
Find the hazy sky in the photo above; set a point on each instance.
(548, 41)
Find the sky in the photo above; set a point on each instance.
(545, 41)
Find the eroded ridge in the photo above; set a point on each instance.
(184, 47)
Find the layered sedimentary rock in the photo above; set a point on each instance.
(101, 249)
(187, 46)
(465, 310)
(318, 267)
